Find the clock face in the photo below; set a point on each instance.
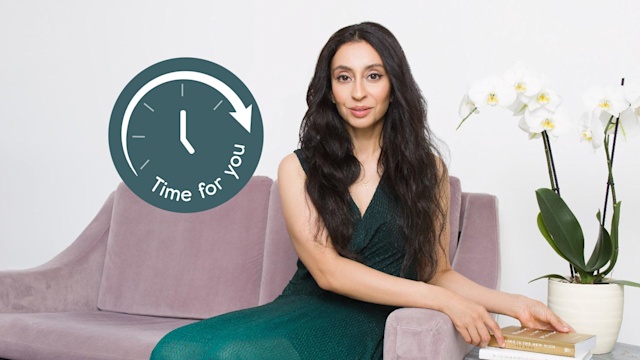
(185, 135)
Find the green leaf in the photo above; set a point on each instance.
(562, 225)
(615, 222)
(623, 282)
(550, 276)
(601, 252)
(587, 277)
(545, 233)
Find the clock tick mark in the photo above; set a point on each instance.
(148, 107)
(214, 109)
(137, 136)
(145, 164)
(182, 90)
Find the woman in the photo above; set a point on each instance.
(365, 200)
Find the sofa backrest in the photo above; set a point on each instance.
(194, 265)
(279, 256)
(455, 209)
(199, 265)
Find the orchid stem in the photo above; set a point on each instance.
(553, 166)
(553, 177)
(466, 117)
(546, 156)
(610, 182)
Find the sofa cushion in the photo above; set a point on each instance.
(88, 335)
(187, 265)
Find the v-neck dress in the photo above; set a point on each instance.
(305, 322)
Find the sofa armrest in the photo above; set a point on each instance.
(413, 333)
(478, 253)
(69, 281)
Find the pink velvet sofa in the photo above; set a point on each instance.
(137, 272)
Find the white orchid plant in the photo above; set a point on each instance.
(612, 110)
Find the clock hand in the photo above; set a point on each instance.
(183, 132)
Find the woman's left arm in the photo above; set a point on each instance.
(530, 313)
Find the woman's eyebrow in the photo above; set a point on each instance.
(344, 67)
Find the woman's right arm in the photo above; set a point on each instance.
(350, 278)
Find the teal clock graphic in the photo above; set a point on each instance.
(185, 135)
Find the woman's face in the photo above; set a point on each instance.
(360, 85)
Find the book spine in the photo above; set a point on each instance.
(505, 357)
(536, 346)
(494, 356)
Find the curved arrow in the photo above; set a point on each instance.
(241, 113)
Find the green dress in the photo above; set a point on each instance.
(305, 322)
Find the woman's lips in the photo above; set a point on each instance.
(360, 111)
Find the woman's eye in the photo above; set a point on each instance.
(375, 76)
(343, 78)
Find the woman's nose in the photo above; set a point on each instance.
(358, 91)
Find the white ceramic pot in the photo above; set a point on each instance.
(589, 309)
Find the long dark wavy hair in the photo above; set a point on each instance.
(409, 157)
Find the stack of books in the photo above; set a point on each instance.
(532, 344)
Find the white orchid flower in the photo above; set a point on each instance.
(522, 124)
(525, 82)
(591, 129)
(545, 98)
(632, 94)
(467, 107)
(492, 92)
(629, 122)
(554, 122)
(609, 98)
(630, 117)
(518, 107)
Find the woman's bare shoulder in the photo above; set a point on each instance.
(290, 169)
(290, 173)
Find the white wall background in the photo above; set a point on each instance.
(63, 64)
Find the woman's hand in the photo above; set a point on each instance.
(472, 321)
(534, 314)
